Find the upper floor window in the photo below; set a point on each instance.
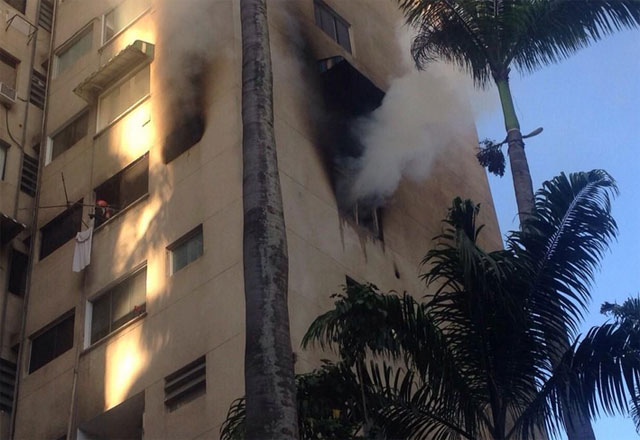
(52, 341)
(122, 190)
(119, 18)
(45, 20)
(18, 272)
(68, 136)
(8, 69)
(368, 218)
(61, 229)
(332, 24)
(186, 249)
(118, 305)
(74, 51)
(20, 5)
(123, 96)
(4, 149)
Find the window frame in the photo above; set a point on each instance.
(184, 239)
(24, 6)
(79, 205)
(67, 45)
(75, 118)
(59, 320)
(320, 6)
(12, 62)
(123, 209)
(108, 290)
(125, 78)
(103, 23)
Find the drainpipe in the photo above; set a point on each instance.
(34, 219)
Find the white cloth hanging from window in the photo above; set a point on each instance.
(82, 252)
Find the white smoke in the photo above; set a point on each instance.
(422, 114)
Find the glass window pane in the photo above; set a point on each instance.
(189, 250)
(70, 135)
(343, 35)
(100, 317)
(83, 45)
(120, 98)
(125, 13)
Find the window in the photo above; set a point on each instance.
(68, 136)
(7, 384)
(8, 69)
(20, 5)
(119, 305)
(38, 88)
(73, 52)
(52, 341)
(122, 97)
(18, 273)
(29, 177)
(185, 384)
(368, 218)
(119, 18)
(46, 15)
(332, 24)
(122, 190)
(4, 149)
(186, 249)
(61, 229)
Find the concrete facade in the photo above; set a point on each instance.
(199, 310)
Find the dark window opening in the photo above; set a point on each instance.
(186, 384)
(29, 177)
(20, 5)
(122, 190)
(69, 135)
(368, 218)
(8, 371)
(38, 88)
(8, 69)
(332, 24)
(122, 422)
(18, 273)
(119, 305)
(46, 15)
(61, 229)
(4, 150)
(50, 343)
(187, 128)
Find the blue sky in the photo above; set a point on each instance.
(589, 106)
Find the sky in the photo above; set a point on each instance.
(589, 107)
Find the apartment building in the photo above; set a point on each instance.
(135, 328)
(24, 49)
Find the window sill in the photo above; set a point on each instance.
(122, 116)
(104, 339)
(123, 211)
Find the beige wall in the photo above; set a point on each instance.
(200, 309)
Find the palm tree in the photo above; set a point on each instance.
(628, 315)
(484, 356)
(488, 37)
(269, 376)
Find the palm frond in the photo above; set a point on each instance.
(551, 30)
(233, 427)
(595, 375)
(559, 247)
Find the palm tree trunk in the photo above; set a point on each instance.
(578, 427)
(269, 373)
(366, 427)
(517, 157)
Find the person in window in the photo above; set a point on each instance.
(103, 211)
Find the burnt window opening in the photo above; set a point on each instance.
(185, 384)
(188, 125)
(18, 273)
(29, 177)
(52, 341)
(61, 229)
(122, 190)
(368, 218)
(332, 24)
